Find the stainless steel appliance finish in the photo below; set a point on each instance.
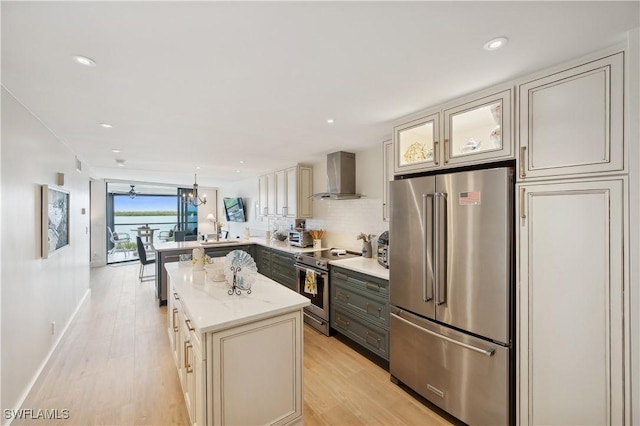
(341, 177)
(451, 267)
(383, 249)
(300, 238)
(465, 376)
(317, 313)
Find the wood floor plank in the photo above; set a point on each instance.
(114, 367)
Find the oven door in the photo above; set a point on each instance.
(319, 302)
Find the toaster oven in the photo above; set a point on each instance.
(300, 238)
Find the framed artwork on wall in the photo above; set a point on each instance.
(55, 220)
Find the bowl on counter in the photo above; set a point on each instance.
(280, 236)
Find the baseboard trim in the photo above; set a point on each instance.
(40, 369)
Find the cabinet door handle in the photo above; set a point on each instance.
(372, 286)
(446, 151)
(436, 153)
(188, 323)
(522, 163)
(523, 194)
(375, 308)
(342, 322)
(187, 364)
(173, 320)
(342, 295)
(372, 340)
(175, 296)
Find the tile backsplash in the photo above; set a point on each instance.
(344, 220)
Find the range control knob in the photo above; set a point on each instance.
(321, 263)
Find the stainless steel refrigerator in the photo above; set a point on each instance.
(451, 288)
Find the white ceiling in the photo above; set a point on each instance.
(207, 84)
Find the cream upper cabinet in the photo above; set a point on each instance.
(280, 192)
(474, 129)
(299, 188)
(387, 176)
(417, 144)
(570, 308)
(267, 194)
(571, 121)
(287, 193)
(478, 129)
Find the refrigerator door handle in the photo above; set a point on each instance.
(427, 251)
(486, 352)
(440, 233)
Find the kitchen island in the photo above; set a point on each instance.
(239, 357)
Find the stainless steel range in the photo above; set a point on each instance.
(314, 266)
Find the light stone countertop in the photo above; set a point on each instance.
(278, 245)
(364, 265)
(211, 308)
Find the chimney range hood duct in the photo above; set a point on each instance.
(341, 177)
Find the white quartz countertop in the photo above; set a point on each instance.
(211, 308)
(365, 265)
(278, 245)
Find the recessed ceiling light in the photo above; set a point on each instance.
(83, 60)
(238, 171)
(115, 151)
(330, 121)
(496, 43)
(106, 125)
(241, 161)
(120, 163)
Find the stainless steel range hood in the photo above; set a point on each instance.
(341, 177)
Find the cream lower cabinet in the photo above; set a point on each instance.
(255, 372)
(244, 375)
(571, 284)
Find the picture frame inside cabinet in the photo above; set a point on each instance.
(55, 220)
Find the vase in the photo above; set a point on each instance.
(366, 249)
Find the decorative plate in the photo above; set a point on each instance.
(242, 264)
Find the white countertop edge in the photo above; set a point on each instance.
(364, 265)
(252, 318)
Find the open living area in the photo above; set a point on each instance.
(320, 213)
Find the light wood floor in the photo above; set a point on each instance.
(114, 367)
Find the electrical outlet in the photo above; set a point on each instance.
(53, 327)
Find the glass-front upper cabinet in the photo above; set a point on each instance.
(478, 129)
(416, 144)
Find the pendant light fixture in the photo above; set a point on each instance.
(193, 198)
(132, 192)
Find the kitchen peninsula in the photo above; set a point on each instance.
(171, 252)
(239, 357)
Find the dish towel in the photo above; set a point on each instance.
(310, 282)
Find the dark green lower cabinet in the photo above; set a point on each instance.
(277, 265)
(223, 251)
(263, 260)
(360, 310)
(283, 269)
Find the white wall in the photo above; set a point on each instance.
(343, 220)
(36, 291)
